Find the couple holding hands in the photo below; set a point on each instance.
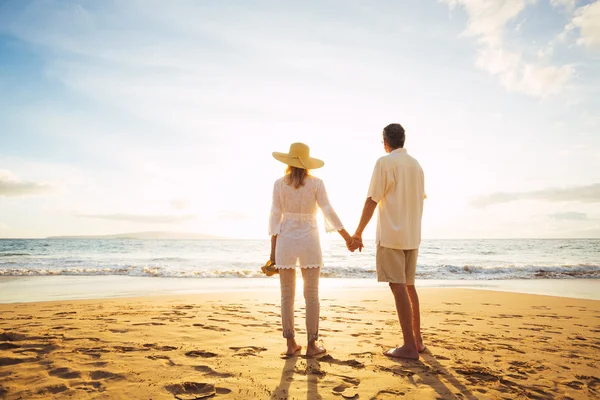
(397, 189)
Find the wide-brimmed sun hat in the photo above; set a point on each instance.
(299, 157)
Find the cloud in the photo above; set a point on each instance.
(568, 4)
(487, 23)
(583, 194)
(569, 216)
(143, 218)
(11, 186)
(587, 21)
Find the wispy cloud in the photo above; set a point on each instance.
(487, 23)
(583, 194)
(568, 4)
(569, 216)
(12, 186)
(587, 20)
(143, 218)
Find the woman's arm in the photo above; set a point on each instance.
(332, 221)
(273, 247)
(347, 238)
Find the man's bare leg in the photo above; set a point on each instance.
(416, 317)
(404, 309)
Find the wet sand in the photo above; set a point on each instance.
(481, 345)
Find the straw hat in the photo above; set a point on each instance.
(299, 157)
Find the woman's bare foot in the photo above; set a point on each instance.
(421, 347)
(293, 348)
(314, 349)
(410, 353)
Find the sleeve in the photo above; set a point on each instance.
(377, 188)
(276, 213)
(332, 221)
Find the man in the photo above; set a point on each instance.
(397, 187)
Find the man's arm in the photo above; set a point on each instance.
(367, 214)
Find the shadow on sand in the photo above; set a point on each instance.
(430, 371)
(313, 373)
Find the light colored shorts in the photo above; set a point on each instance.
(396, 266)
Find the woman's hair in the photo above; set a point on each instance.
(296, 177)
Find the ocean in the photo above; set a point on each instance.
(198, 259)
(68, 269)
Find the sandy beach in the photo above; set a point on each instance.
(481, 345)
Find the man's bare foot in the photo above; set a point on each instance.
(421, 347)
(410, 353)
(314, 350)
(292, 350)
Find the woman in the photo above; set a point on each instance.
(295, 240)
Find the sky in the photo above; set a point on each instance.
(141, 115)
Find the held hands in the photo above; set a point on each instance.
(354, 242)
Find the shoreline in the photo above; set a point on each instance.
(481, 345)
(25, 289)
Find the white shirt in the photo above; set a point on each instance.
(293, 219)
(398, 186)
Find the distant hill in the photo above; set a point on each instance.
(143, 235)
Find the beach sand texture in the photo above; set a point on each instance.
(481, 345)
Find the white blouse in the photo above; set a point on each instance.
(293, 219)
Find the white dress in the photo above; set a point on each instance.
(293, 219)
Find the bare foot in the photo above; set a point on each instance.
(292, 350)
(410, 353)
(314, 350)
(421, 347)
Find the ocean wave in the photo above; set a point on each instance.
(441, 272)
(13, 254)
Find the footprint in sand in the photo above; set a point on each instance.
(160, 348)
(65, 373)
(195, 390)
(200, 353)
(52, 389)
(98, 375)
(212, 328)
(346, 392)
(8, 346)
(127, 349)
(388, 394)
(247, 350)
(13, 361)
(169, 362)
(94, 352)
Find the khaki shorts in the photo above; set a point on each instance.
(396, 266)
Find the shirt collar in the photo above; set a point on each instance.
(399, 150)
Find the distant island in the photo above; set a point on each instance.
(143, 236)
